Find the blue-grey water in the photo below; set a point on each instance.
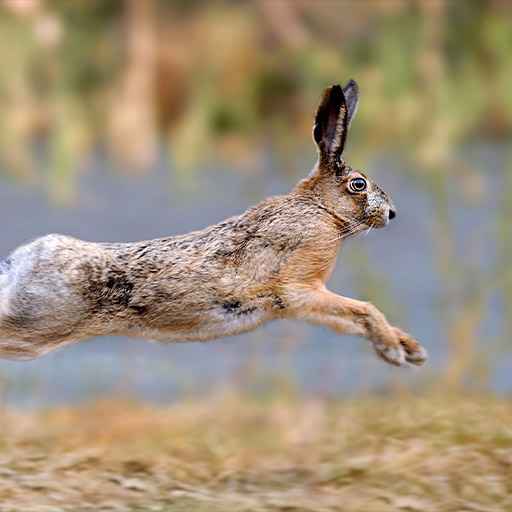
(116, 207)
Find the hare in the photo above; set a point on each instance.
(268, 263)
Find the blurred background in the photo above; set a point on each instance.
(125, 119)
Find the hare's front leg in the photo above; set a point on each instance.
(350, 316)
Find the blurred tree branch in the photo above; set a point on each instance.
(133, 115)
(284, 19)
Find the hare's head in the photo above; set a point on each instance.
(347, 192)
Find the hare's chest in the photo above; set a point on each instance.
(328, 268)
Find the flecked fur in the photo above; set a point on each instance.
(268, 263)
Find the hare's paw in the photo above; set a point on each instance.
(392, 354)
(406, 350)
(414, 352)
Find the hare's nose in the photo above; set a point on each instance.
(392, 214)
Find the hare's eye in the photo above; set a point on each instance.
(357, 185)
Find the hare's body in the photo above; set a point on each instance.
(270, 262)
(226, 279)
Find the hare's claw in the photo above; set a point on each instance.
(408, 350)
(392, 354)
(414, 352)
(418, 356)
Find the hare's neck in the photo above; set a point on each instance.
(317, 186)
(315, 189)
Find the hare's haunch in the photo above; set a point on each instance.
(270, 262)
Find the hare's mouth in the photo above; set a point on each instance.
(380, 217)
(378, 221)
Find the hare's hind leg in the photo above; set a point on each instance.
(350, 316)
(37, 311)
(10, 346)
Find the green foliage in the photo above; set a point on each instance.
(426, 74)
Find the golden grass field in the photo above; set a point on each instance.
(233, 453)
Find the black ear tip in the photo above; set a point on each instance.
(336, 92)
(351, 84)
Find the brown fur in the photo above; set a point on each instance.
(271, 262)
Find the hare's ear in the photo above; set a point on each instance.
(331, 124)
(351, 92)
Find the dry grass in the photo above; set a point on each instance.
(236, 454)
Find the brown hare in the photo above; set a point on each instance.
(270, 262)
